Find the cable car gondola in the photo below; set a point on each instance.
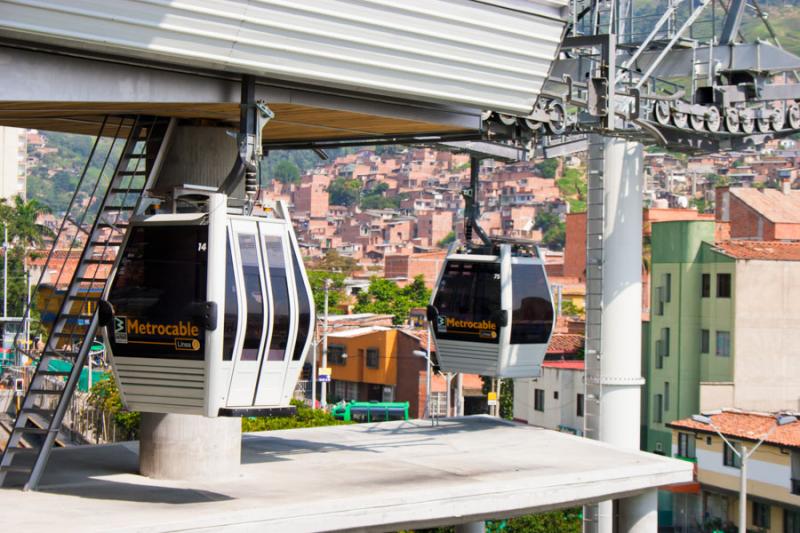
(492, 310)
(208, 311)
(492, 314)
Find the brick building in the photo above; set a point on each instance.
(766, 214)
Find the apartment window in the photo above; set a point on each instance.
(729, 458)
(705, 284)
(555, 395)
(761, 514)
(686, 445)
(666, 396)
(659, 357)
(665, 342)
(658, 408)
(723, 343)
(660, 301)
(667, 294)
(795, 473)
(372, 358)
(579, 405)
(791, 521)
(538, 399)
(723, 285)
(336, 355)
(705, 340)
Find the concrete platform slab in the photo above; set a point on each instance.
(370, 477)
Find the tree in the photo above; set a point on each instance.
(555, 237)
(105, 397)
(545, 220)
(386, 297)
(287, 172)
(548, 168)
(333, 261)
(375, 198)
(335, 294)
(447, 240)
(343, 191)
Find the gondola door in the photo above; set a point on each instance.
(278, 351)
(248, 259)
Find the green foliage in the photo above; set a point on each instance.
(556, 237)
(343, 191)
(716, 180)
(447, 240)
(545, 220)
(566, 521)
(386, 297)
(573, 187)
(287, 172)
(54, 178)
(105, 397)
(335, 294)
(24, 235)
(375, 198)
(506, 396)
(568, 308)
(701, 204)
(554, 231)
(336, 262)
(548, 168)
(305, 417)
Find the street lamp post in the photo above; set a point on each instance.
(744, 454)
(324, 385)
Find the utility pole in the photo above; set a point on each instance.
(428, 376)
(459, 394)
(5, 271)
(314, 347)
(324, 392)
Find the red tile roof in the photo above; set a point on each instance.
(761, 250)
(565, 343)
(746, 425)
(574, 364)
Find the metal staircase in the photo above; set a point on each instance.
(94, 225)
(595, 220)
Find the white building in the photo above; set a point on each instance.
(13, 162)
(554, 400)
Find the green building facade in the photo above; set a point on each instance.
(690, 334)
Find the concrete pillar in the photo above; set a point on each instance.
(198, 155)
(639, 514)
(471, 527)
(186, 447)
(175, 446)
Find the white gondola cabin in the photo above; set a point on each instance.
(492, 314)
(210, 312)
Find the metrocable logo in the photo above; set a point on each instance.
(180, 329)
(469, 324)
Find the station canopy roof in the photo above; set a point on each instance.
(329, 69)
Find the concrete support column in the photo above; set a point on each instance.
(471, 527)
(639, 514)
(621, 344)
(176, 446)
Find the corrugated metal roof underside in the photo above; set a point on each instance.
(456, 52)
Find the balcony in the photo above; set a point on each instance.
(795, 486)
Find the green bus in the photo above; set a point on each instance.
(371, 411)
